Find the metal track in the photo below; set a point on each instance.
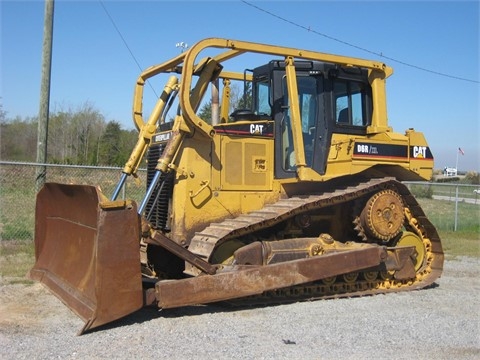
(205, 242)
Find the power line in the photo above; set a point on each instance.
(309, 29)
(125, 43)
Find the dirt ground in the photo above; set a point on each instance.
(28, 307)
(442, 322)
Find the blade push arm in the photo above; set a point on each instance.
(146, 131)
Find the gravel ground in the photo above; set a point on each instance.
(438, 323)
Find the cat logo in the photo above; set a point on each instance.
(256, 129)
(420, 152)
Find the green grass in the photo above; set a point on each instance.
(17, 256)
(17, 209)
(16, 260)
(466, 240)
(460, 243)
(442, 214)
(16, 230)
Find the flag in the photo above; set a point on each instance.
(461, 151)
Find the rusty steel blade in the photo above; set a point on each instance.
(87, 252)
(253, 280)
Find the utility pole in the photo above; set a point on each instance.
(43, 112)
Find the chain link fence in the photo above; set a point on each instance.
(17, 191)
(17, 194)
(449, 206)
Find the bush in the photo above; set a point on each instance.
(448, 179)
(472, 177)
(420, 191)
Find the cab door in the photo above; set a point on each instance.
(331, 99)
(313, 122)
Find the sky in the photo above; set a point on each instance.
(100, 48)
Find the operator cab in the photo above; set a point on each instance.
(332, 99)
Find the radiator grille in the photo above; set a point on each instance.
(157, 207)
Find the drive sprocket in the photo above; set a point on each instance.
(382, 217)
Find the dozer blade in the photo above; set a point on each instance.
(253, 280)
(87, 252)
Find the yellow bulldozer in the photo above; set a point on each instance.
(296, 194)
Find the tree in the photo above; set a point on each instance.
(205, 112)
(242, 99)
(3, 113)
(78, 136)
(61, 138)
(88, 123)
(237, 101)
(18, 139)
(128, 141)
(108, 148)
(115, 145)
(73, 135)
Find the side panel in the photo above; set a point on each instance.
(218, 179)
(421, 157)
(354, 154)
(247, 164)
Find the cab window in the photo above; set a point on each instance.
(350, 103)
(262, 103)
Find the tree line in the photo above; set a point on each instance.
(81, 136)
